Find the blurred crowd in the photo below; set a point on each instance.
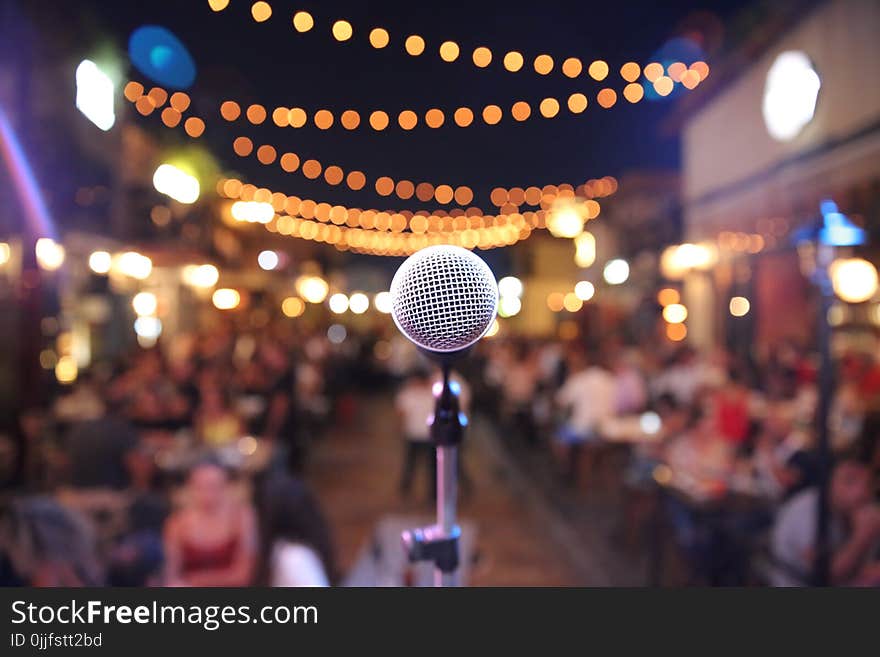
(184, 465)
(721, 449)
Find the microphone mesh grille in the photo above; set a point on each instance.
(444, 298)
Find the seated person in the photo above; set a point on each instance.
(216, 423)
(854, 531)
(47, 545)
(296, 538)
(700, 456)
(781, 458)
(99, 452)
(212, 540)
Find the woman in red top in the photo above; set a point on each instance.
(212, 541)
(732, 411)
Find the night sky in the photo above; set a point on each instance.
(270, 63)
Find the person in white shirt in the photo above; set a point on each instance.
(296, 540)
(855, 531)
(415, 404)
(589, 394)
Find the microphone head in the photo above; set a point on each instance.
(444, 298)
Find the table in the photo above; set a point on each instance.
(248, 455)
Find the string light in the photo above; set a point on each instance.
(293, 307)
(385, 185)
(303, 21)
(476, 231)
(342, 30)
(100, 262)
(482, 57)
(383, 302)
(50, 254)
(456, 220)
(434, 118)
(261, 11)
(226, 299)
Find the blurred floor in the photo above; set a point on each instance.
(522, 540)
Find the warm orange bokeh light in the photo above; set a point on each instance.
(342, 30)
(303, 21)
(521, 110)
(404, 189)
(384, 186)
(572, 302)
(668, 296)
(513, 61)
(133, 90)
(415, 45)
(180, 101)
(157, 96)
(606, 97)
(256, 114)
(702, 69)
(491, 114)
(676, 70)
(418, 224)
(261, 11)
(598, 70)
(407, 119)
(555, 301)
(297, 117)
(463, 195)
(230, 110)
(323, 119)
(281, 117)
(449, 51)
(690, 79)
(630, 71)
(350, 119)
(378, 120)
(333, 175)
(424, 192)
(482, 57)
(549, 108)
(266, 154)
(543, 64)
(243, 146)
(311, 169)
(499, 196)
(379, 37)
(572, 67)
(592, 208)
(634, 92)
(170, 117)
(653, 71)
(356, 180)
(577, 103)
(434, 118)
(676, 332)
(194, 127)
(444, 194)
(663, 85)
(289, 162)
(463, 117)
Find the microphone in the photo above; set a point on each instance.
(444, 299)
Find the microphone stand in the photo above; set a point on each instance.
(439, 542)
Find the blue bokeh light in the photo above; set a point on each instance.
(162, 57)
